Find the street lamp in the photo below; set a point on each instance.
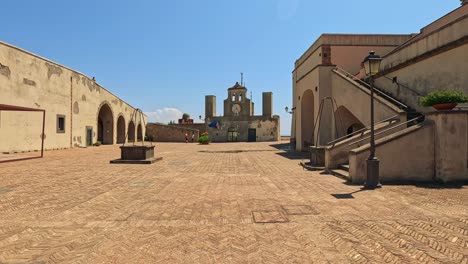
(371, 66)
(292, 140)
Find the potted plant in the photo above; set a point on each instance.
(204, 139)
(443, 99)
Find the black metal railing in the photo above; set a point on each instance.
(414, 121)
(362, 130)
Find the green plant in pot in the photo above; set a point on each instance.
(204, 139)
(443, 99)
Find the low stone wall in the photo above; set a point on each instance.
(405, 156)
(201, 127)
(436, 149)
(166, 133)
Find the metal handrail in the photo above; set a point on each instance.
(386, 130)
(393, 118)
(382, 94)
(404, 86)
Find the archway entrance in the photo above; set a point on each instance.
(139, 133)
(307, 119)
(105, 125)
(131, 132)
(232, 134)
(348, 122)
(120, 130)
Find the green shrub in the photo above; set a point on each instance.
(204, 139)
(443, 97)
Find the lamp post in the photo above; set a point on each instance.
(292, 140)
(371, 66)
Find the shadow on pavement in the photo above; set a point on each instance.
(294, 155)
(425, 185)
(283, 146)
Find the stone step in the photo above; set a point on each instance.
(341, 173)
(308, 166)
(344, 167)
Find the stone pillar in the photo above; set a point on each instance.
(267, 104)
(210, 106)
(451, 144)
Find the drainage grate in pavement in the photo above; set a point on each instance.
(343, 196)
(269, 217)
(179, 163)
(299, 210)
(5, 190)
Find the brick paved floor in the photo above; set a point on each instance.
(199, 204)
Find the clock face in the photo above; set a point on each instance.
(236, 108)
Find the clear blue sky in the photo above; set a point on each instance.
(158, 54)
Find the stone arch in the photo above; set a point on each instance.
(105, 124)
(139, 133)
(131, 132)
(307, 119)
(120, 129)
(346, 122)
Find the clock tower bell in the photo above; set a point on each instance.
(237, 103)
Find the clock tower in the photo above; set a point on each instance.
(237, 103)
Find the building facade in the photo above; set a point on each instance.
(79, 111)
(238, 122)
(331, 101)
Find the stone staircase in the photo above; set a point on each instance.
(342, 171)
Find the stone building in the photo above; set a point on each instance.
(79, 111)
(331, 101)
(239, 122)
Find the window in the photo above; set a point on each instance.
(60, 124)
(240, 97)
(233, 97)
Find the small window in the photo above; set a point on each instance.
(240, 97)
(233, 97)
(60, 124)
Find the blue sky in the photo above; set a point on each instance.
(165, 56)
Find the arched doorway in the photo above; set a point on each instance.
(120, 130)
(131, 132)
(353, 128)
(307, 119)
(232, 134)
(347, 123)
(139, 133)
(105, 125)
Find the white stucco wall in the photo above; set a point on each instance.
(31, 81)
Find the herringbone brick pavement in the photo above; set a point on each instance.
(198, 204)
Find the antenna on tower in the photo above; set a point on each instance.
(242, 78)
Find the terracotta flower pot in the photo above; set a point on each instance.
(446, 106)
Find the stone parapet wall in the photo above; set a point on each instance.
(201, 127)
(173, 133)
(436, 149)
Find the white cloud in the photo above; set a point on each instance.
(164, 115)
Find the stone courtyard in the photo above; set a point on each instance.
(218, 203)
